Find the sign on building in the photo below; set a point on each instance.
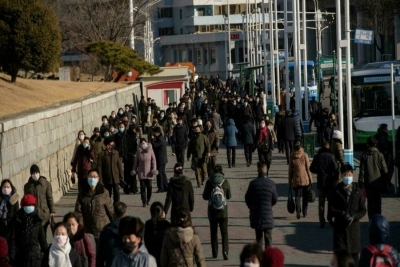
(363, 37)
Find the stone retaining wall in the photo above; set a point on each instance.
(47, 138)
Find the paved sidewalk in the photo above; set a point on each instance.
(302, 241)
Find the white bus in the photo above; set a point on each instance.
(371, 95)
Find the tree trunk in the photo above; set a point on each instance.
(14, 74)
(118, 77)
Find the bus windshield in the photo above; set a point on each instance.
(374, 100)
(310, 75)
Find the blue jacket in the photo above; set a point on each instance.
(261, 195)
(230, 134)
(140, 258)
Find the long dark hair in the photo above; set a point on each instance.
(13, 189)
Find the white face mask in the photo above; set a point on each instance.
(81, 137)
(144, 146)
(35, 176)
(6, 191)
(250, 264)
(61, 239)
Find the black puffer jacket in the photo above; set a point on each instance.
(261, 195)
(298, 126)
(180, 194)
(180, 136)
(160, 150)
(326, 168)
(372, 166)
(289, 128)
(27, 240)
(378, 237)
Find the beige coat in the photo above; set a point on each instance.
(299, 169)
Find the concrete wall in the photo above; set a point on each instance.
(47, 138)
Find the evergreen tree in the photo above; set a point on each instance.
(29, 37)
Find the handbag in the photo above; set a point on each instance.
(310, 193)
(291, 205)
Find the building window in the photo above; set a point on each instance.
(165, 31)
(180, 13)
(200, 11)
(169, 97)
(165, 13)
(198, 56)
(183, 56)
(205, 56)
(213, 53)
(190, 55)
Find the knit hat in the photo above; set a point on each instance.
(131, 226)
(273, 257)
(35, 168)
(337, 134)
(3, 248)
(28, 200)
(96, 130)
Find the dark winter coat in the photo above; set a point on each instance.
(213, 139)
(215, 179)
(160, 149)
(84, 247)
(259, 111)
(198, 147)
(337, 151)
(230, 132)
(96, 209)
(97, 144)
(83, 160)
(153, 234)
(129, 144)
(180, 136)
(378, 237)
(216, 121)
(326, 168)
(298, 126)
(26, 248)
(41, 189)
(73, 258)
(180, 194)
(109, 245)
(328, 131)
(289, 128)
(346, 236)
(372, 166)
(12, 209)
(248, 133)
(261, 195)
(109, 166)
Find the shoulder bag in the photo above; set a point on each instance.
(291, 206)
(310, 193)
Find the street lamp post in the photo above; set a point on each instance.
(226, 45)
(229, 35)
(132, 33)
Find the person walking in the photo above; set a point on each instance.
(279, 128)
(94, 205)
(179, 140)
(289, 130)
(78, 141)
(314, 112)
(384, 146)
(9, 206)
(298, 125)
(96, 145)
(216, 120)
(326, 168)
(145, 166)
(83, 161)
(213, 139)
(134, 252)
(229, 140)
(264, 144)
(180, 192)
(61, 252)
(300, 177)
(83, 243)
(379, 232)
(199, 149)
(372, 169)
(260, 196)
(248, 140)
(38, 186)
(155, 230)
(182, 246)
(110, 169)
(330, 127)
(217, 190)
(27, 240)
(110, 242)
(160, 151)
(348, 208)
(337, 147)
(130, 144)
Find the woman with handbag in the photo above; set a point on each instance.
(300, 177)
(264, 144)
(182, 246)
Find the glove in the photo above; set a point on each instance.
(349, 219)
(133, 173)
(154, 172)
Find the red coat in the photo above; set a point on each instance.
(84, 246)
(84, 158)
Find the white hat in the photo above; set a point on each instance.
(337, 134)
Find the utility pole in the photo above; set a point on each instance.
(264, 43)
(271, 54)
(286, 44)
(297, 56)
(132, 33)
(339, 62)
(229, 37)
(305, 76)
(278, 82)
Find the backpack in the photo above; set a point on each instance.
(217, 199)
(381, 256)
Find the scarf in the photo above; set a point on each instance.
(3, 206)
(59, 255)
(263, 134)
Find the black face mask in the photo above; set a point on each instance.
(129, 247)
(196, 134)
